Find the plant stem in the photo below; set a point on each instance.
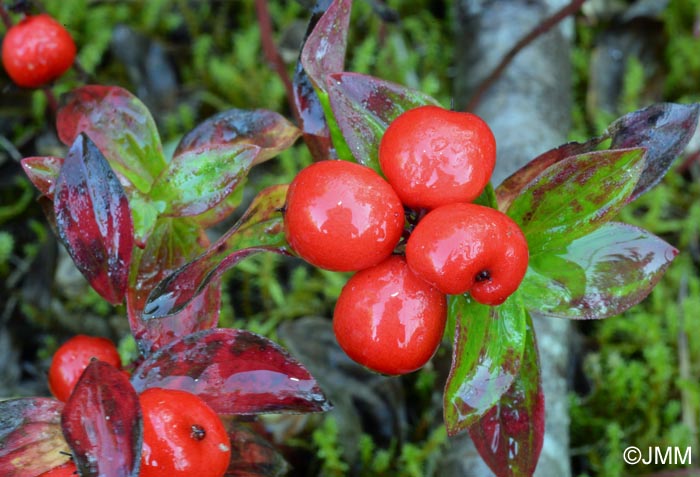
(6, 20)
(546, 25)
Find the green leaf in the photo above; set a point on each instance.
(198, 179)
(145, 213)
(260, 229)
(364, 106)
(120, 125)
(510, 436)
(598, 275)
(575, 196)
(489, 344)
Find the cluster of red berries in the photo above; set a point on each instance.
(343, 216)
(37, 50)
(182, 435)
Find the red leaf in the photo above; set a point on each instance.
(252, 455)
(172, 243)
(43, 172)
(30, 437)
(93, 219)
(102, 423)
(234, 371)
(509, 436)
(121, 126)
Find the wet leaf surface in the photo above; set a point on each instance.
(575, 196)
(364, 106)
(235, 372)
(597, 276)
(268, 130)
(251, 454)
(489, 343)
(102, 423)
(31, 441)
(510, 435)
(197, 180)
(172, 244)
(120, 125)
(260, 229)
(43, 172)
(663, 129)
(93, 219)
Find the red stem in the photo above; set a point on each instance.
(272, 54)
(546, 25)
(6, 20)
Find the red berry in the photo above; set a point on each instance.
(388, 319)
(432, 156)
(182, 436)
(342, 216)
(469, 248)
(37, 50)
(71, 359)
(64, 470)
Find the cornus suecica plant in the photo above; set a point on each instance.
(439, 257)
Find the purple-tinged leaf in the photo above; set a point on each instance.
(43, 172)
(510, 435)
(223, 209)
(664, 129)
(172, 244)
(102, 423)
(486, 356)
(120, 125)
(234, 371)
(575, 196)
(260, 229)
(269, 131)
(307, 102)
(31, 441)
(598, 275)
(364, 106)
(324, 48)
(251, 454)
(94, 220)
(198, 179)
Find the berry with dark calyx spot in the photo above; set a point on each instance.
(471, 248)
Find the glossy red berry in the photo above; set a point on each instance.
(388, 319)
(71, 359)
(37, 50)
(182, 436)
(64, 470)
(469, 248)
(432, 156)
(342, 216)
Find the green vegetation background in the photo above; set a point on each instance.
(636, 377)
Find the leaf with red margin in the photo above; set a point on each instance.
(664, 129)
(102, 423)
(364, 106)
(489, 343)
(307, 102)
(94, 220)
(510, 435)
(120, 125)
(173, 243)
(260, 229)
(43, 172)
(197, 180)
(598, 275)
(234, 371)
(31, 441)
(251, 454)
(269, 131)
